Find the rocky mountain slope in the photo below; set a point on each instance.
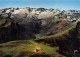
(68, 41)
(53, 35)
(63, 44)
(10, 30)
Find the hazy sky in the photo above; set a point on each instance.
(61, 4)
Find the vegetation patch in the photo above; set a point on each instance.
(61, 34)
(2, 21)
(27, 50)
(8, 23)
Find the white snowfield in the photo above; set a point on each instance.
(34, 12)
(42, 13)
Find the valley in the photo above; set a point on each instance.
(56, 34)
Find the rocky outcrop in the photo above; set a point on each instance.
(10, 30)
(68, 43)
(72, 43)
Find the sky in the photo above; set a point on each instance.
(60, 4)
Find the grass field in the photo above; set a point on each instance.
(16, 47)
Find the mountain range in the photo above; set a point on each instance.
(39, 32)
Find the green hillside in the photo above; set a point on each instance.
(26, 47)
(56, 45)
(18, 48)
